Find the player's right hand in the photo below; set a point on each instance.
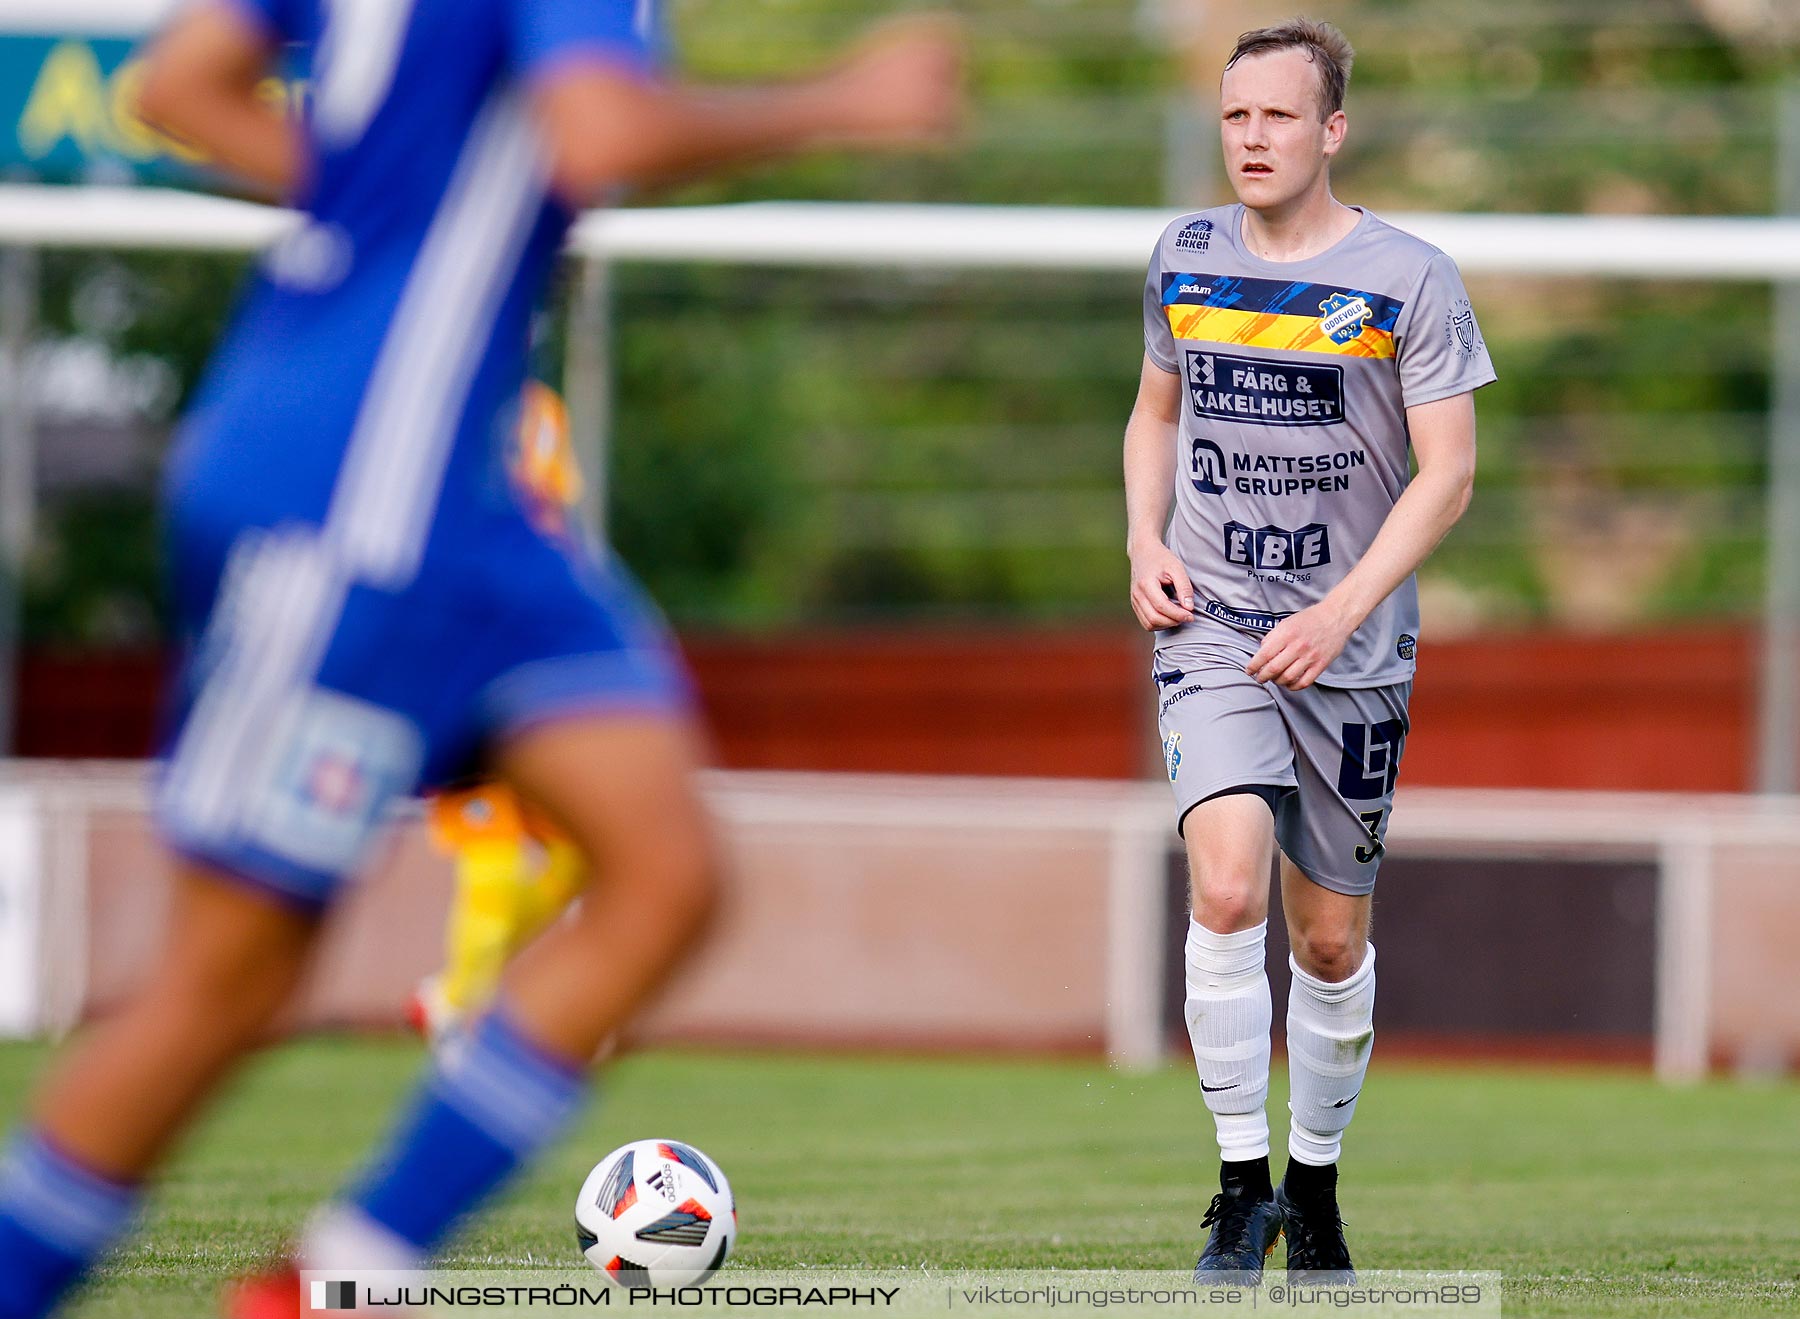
(902, 84)
(1161, 594)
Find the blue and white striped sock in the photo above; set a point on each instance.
(56, 1220)
(488, 1106)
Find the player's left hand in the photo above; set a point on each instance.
(1301, 647)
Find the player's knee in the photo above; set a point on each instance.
(1228, 908)
(674, 870)
(1328, 955)
(689, 881)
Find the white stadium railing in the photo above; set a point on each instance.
(1757, 250)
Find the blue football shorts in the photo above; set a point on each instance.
(311, 702)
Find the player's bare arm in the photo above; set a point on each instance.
(1149, 478)
(1300, 647)
(200, 86)
(900, 87)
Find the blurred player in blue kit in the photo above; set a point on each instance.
(1299, 354)
(371, 606)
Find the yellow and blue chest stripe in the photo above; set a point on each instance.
(1273, 313)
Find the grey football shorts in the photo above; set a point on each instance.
(1336, 751)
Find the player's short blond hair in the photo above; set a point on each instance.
(1325, 46)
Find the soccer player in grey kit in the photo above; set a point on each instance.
(1297, 352)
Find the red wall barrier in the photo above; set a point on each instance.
(88, 705)
(1670, 711)
(1016, 702)
(1665, 711)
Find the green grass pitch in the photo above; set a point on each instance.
(1594, 1192)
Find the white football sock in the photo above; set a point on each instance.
(341, 1238)
(1228, 1016)
(1330, 1030)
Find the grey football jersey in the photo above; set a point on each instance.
(1293, 446)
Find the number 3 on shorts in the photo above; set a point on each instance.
(1370, 766)
(1367, 852)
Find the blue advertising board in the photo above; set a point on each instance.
(66, 114)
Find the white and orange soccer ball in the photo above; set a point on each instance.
(656, 1213)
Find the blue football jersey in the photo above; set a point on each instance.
(367, 364)
(369, 604)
